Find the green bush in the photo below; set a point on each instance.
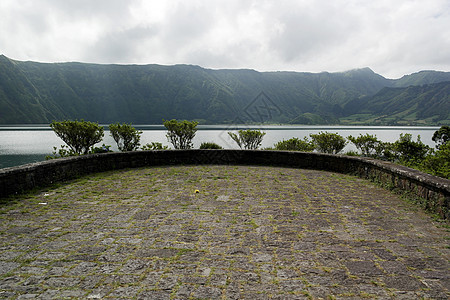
(351, 153)
(441, 136)
(368, 144)
(103, 149)
(295, 144)
(248, 139)
(154, 146)
(386, 151)
(327, 142)
(410, 152)
(64, 151)
(181, 133)
(126, 136)
(210, 145)
(80, 136)
(438, 163)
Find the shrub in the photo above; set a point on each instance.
(181, 133)
(210, 145)
(385, 151)
(103, 149)
(409, 152)
(438, 163)
(441, 136)
(295, 144)
(248, 139)
(327, 142)
(351, 153)
(64, 151)
(154, 146)
(126, 136)
(368, 144)
(80, 136)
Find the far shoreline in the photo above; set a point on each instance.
(267, 126)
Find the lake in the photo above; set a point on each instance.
(21, 144)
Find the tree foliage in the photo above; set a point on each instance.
(327, 142)
(368, 144)
(126, 136)
(181, 133)
(438, 163)
(248, 139)
(409, 151)
(78, 135)
(441, 136)
(295, 144)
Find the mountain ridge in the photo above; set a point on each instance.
(33, 92)
(427, 101)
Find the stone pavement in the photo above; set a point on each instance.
(249, 233)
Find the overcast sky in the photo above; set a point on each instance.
(393, 37)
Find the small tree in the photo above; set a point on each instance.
(327, 142)
(385, 151)
(181, 133)
(295, 144)
(126, 136)
(248, 139)
(367, 144)
(78, 135)
(441, 136)
(408, 151)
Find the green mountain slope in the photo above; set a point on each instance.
(33, 92)
(413, 105)
(421, 78)
(20, 101)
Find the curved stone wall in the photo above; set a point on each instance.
(433, 193)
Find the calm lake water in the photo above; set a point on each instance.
(25, 144)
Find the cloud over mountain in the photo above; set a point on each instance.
(393, 37)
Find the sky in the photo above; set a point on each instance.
(393, 38)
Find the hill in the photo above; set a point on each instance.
(413, 105)
(32, 92)
(421, 78)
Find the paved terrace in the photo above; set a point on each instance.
(250, 233)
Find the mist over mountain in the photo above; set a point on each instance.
(32, 92)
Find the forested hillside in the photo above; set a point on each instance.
(33, 92)
(413, 105)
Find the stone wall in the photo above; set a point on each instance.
(433, 193)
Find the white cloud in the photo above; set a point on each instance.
(392, 37)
